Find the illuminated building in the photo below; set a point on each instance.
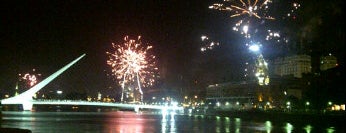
(133, 67)
(237, 95)
(328, 62)
(262, 71)
(294, 65)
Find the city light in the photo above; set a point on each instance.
(254, 48)
(218, 104)
(261, 69)
(58, 92)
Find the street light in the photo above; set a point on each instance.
(288, 104)
(307, 106)
(59, 92)
(245, 29)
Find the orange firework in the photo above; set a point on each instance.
(132, 64)
(249, 7)
(257, 9)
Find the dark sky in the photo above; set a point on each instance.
(48, 34)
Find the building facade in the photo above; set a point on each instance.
(295, 65)
(238, 95)
(328, 62)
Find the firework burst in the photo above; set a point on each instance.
(251, 8)
(208, 44)
(248, 12)
(132, 64)
(31, 79)
(292, 12)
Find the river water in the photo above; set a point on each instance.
(131, 122)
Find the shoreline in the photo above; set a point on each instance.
(337, 118)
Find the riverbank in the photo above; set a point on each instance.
(332, 118)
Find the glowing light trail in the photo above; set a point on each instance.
(133, 66)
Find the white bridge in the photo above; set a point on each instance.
(26, 100)
(135, 107)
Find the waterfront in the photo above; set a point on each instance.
(128, 121)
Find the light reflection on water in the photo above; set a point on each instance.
(308, 128)
(131, 122)
(288, 128)
(128, 122)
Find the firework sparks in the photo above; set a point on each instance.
(30, 78)
(251, 8)
(132, 64)
(260, 66)
(292, 13)
(207, 43)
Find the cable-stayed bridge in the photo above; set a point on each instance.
(135, 107)
(27, 101)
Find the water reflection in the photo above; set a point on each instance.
(172, 122)
(237, 124)
(308, 128)
(288, 127)
(124, 122)
(268, 126)
(227, 124)
(168, 123)
(330, 130)
(163, 124)
(218, 124)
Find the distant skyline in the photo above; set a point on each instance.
(46, 35)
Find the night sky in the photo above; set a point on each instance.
(47, 35)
